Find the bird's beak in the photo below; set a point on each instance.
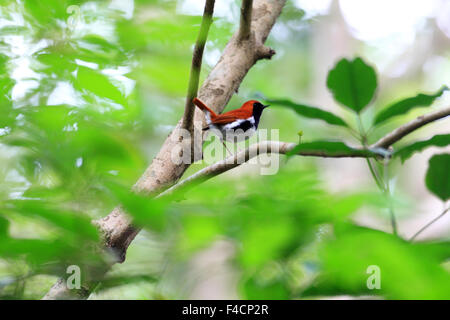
(267, 106)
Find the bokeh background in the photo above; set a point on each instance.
(88, 97)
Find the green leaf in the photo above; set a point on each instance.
(403, 106)
(98, 84)
(327, 148)
(353, 83)
(440, 140)
(309, 112)
(438, 176)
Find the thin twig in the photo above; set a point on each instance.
(389, 196)
(382, 183)
(194, 76)
(363, 141)
(246, 20)
(409, 127)
(430, 223)
(374, 174)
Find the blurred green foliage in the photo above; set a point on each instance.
(408, 271)
(63, 137)
(90, 106)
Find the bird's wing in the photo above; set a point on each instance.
(231, 116)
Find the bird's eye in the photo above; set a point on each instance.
(257, 105)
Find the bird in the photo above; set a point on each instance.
(235, 125)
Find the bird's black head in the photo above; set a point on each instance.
(258, 108)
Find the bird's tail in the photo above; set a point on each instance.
(210, 115)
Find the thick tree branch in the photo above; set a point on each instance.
(246, 20)
(189, 109)
(222, 82)
(266, 147)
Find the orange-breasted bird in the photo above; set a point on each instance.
(235, 125)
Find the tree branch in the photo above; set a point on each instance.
(246, 20)
(222, 82)
(409, 127)
(266, 147)
(429, 223)
(189, 109)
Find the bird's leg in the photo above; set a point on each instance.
(223, 142)
(237, 145)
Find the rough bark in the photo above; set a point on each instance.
(246, 18)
